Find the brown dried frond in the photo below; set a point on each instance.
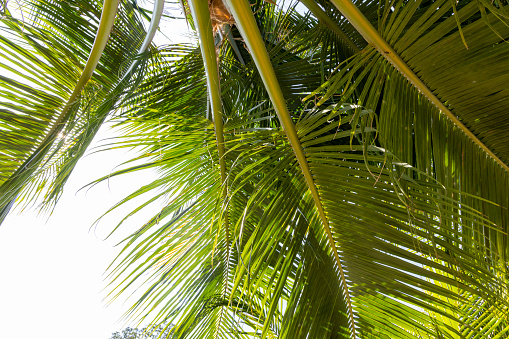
(219, 15)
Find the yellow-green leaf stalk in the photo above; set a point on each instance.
(241, 11)
(11, 187)
(157, 13)
(103, 33)
(364, 27)
(201, 17)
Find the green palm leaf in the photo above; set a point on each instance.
(63, 124)
(350, 182)
(413, 252)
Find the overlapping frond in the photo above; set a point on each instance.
(337, 200)
(399, 260)
(54, 104)
(428, 39)
(413, 246)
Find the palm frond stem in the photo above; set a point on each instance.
(157, 13)
(201, 16)
(248, 28)
(11, 187)
(366, 29)
(105, 25)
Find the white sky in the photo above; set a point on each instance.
(51, 270)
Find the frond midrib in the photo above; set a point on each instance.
(366, 29)
(246, 23)
(16, 181)
(201, 16)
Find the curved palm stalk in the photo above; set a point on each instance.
(246, 24)
(201, 16)
(106, 107)
(106, 24)
(359, 21)
(323, 17)
(11, 187)
(157, 13)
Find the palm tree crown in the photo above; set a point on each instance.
(337, 171)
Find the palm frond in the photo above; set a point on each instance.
(56, 46)
(420, 256)
(329, 194)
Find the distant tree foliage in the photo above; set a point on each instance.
(161, 332)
